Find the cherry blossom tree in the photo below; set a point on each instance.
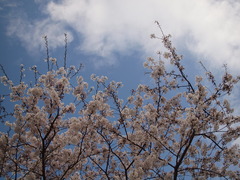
(173, 128)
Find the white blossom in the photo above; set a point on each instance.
(168, 128)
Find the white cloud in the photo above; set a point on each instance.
(208, 28)
(31, 34)
(107, 26)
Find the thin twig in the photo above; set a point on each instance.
(65, 52)
(47, 50)
(4, 72)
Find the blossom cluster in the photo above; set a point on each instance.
(171, 129)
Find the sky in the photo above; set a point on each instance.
(106, 33)
(112, 37)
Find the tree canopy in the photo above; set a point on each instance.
(172, 128)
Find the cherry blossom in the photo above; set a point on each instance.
(61, 128)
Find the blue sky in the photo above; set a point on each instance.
(112, 37)
(103, 34)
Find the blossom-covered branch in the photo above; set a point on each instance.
(60, 128)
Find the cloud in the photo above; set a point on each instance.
(31, 33)
(107, 27)
(209, 29)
